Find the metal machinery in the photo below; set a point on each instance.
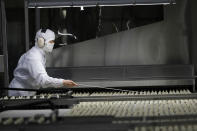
(109, 97)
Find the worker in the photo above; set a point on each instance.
(30, 71)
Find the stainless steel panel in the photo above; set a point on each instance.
(61, 56)
(88, 53)
(116, 76)
(88, 73)
(133, 47)
(159, 43)
(159, 72)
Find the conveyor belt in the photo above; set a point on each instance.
(65, 101)
(156, 115)
(136, 108)
(141, 92)
(137, 97)
(94, 94)
(140, 110)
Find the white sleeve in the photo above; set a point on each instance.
(38, 72)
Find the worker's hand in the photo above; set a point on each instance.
(69, 83)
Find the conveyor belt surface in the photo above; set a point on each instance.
(135, 108)
(149, 92)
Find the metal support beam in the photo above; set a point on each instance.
(37, 18)
(88, 3)
(1, 44)
(26, 25)
(4, 40)
(1, 63)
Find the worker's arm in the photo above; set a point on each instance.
(38, 72)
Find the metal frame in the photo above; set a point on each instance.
(26, 25)
(4, 41)
(92, 3)
(37, 18)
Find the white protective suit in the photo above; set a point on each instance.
(30, 71)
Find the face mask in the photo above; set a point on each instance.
(48, 47)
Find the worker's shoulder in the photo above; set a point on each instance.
(33, 54)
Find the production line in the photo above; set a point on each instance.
(124, 81)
